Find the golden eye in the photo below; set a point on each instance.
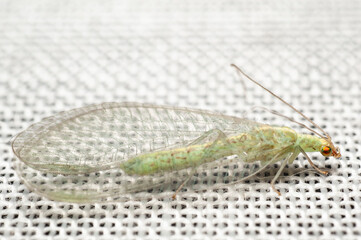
(326, 150)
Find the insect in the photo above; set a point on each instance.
(112, 150)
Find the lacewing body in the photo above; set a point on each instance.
(117, 151)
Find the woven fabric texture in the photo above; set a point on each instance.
(61, 55)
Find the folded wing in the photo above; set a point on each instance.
(100, 137)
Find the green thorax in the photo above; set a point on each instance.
(310, 143)
(283, 136)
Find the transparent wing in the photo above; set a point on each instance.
(74, 156)
(100, 137)
(113, 185)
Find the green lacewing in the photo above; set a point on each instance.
(117, 151)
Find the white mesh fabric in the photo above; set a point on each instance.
(62, 55)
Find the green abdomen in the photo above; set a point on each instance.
(251, 146)
(180, 158)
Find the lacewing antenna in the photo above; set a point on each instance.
(281, 99)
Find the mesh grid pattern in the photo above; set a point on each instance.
(59, 56)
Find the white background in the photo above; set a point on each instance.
(59, 55)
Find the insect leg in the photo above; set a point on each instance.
(202, 139)
(183, 183)
(326, 173)
(283, 165)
